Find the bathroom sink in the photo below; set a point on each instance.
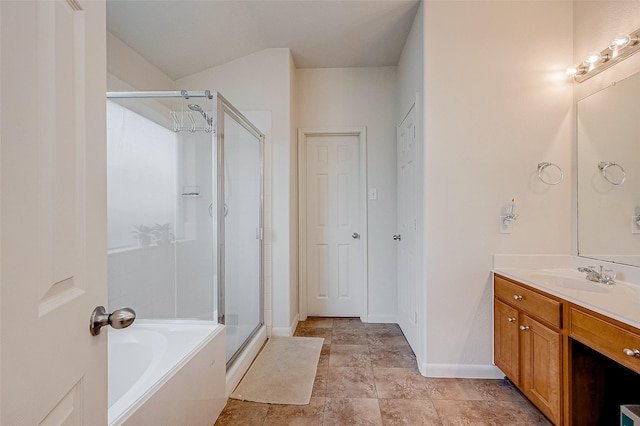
(566, 279)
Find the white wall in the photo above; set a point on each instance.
(131, 70)
(262, 81)
(496, 104)
(363, 97)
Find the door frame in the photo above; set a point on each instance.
(303, 134)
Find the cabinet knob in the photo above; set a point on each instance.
(524, 327)
(631, 352)
(517, 297)
(511, 319)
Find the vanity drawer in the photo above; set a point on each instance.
(536, 304)
(605, 337)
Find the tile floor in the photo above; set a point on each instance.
(367, 375)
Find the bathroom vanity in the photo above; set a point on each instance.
(556, 340)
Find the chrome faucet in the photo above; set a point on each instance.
(605, 276)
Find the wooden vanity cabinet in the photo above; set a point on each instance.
(528, 343)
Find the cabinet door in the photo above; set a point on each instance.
(505, 340)
(541, 366)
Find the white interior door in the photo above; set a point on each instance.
(53, 212)
(334, 276)
(407, 228)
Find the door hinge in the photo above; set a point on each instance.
(259, 233)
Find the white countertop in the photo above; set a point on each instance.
(620, 301)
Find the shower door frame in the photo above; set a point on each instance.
(224, 106)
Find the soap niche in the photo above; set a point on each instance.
(599, 386)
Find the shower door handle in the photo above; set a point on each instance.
(120, 318)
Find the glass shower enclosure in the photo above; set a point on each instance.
(184, 179)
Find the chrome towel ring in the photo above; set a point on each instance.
(604, 165)
(544, 165)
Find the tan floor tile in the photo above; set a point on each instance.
(349, 356)
(351, 382)
(361, 362)
(393, 357)
(352, 412)
(325, 353)
(487, 413)
(348, 323)
(316, 322)
(378, 339)
(320, 382)
(242, 413)
(384, 330)
(315, 332)
(407, 383)
(411, 412)
(296, 415)
(494, 389)
(349, 336)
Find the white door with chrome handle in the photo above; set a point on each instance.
(334, 274)
(53, 212)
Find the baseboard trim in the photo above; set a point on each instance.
(382, 319)
(463, 371)
(284, 331)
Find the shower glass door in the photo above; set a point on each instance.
(242, 211)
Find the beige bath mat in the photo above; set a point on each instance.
(283, 372)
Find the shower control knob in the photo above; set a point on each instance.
(120, 318)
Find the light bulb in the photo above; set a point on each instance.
(571, 71)
(592, 58)
(621, 40)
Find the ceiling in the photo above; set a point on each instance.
(183, 37)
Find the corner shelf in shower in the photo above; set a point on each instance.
(191, 191)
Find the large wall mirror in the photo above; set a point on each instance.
(608, 127)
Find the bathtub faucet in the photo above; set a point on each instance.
(605, 276)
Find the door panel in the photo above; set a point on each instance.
(53, 217)
(506, 349)
(542, 367)
(334, 265)
(407, 228)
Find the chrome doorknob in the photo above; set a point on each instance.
(120, 318)
(355, 235)
(397, 237)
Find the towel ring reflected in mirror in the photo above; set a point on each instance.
(604, 165)
(543, 166)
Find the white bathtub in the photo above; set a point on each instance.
(166, 373)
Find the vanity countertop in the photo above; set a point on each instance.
(620, 301)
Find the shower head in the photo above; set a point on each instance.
(198, 108)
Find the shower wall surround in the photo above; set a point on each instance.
(155, 237)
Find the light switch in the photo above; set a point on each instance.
(373, 193)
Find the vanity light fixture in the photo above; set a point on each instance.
(621, 46)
